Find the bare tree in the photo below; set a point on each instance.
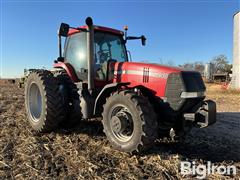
(196, 66)
(199, 66)
(166, 62)
(221, 64)
(189, 66)
(170, 63)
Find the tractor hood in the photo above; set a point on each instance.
(163, 81)
(151, 76)
(146, 69)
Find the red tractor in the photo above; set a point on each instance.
(138, 102)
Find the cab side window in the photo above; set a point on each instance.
(76, 53)
(107, 47)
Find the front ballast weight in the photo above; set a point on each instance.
(204, 116)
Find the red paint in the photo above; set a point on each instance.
(71, 73)
(225, 86)
(134, 75)
(68, 68)
(155, 84)
(97, 28)
(99, 83)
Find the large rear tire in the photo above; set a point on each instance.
(129, 122)
(71, 100)
(43, 102)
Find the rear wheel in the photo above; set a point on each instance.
(43, 102)
(71, 101)
(129, 122)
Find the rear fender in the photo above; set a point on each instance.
(68, 68)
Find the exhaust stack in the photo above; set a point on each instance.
(90, 52)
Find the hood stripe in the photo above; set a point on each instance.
(140, 73)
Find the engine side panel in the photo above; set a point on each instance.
(167, 83)
(152, 76)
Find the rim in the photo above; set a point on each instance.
(121, 123)
(35, 102)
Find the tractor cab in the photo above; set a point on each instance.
(109, 46)
(92, 50)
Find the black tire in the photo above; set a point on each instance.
(143, 121)
(71, 101)
(164, 127)
(165, 122)
(42, 101)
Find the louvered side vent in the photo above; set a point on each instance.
(145, 75)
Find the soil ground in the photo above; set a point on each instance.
(85, 152)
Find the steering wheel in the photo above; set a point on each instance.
(104, 55)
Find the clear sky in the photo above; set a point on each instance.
(176, 31)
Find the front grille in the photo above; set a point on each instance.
(174, 88)
(193, 81)
(187, 81)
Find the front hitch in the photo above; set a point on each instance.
(204, 116)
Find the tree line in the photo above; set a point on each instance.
(220, 63)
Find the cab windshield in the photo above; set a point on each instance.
(109, 47)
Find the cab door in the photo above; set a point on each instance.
(76, 54)
(109, 49)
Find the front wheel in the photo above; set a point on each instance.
(129, 122)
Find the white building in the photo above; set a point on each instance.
(235, 83)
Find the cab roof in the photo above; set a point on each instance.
(97, 28)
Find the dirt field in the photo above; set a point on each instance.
(85, 152)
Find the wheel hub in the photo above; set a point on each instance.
(35, 101)
(122, 124)
(118, 123)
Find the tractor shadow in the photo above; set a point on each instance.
(90, 127)
(217, 143)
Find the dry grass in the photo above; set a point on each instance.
(220, 90)
(228, 100)
(84, 153)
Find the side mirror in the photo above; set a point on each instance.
(63, 30)
(143, 39)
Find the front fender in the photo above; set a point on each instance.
(105, 92)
